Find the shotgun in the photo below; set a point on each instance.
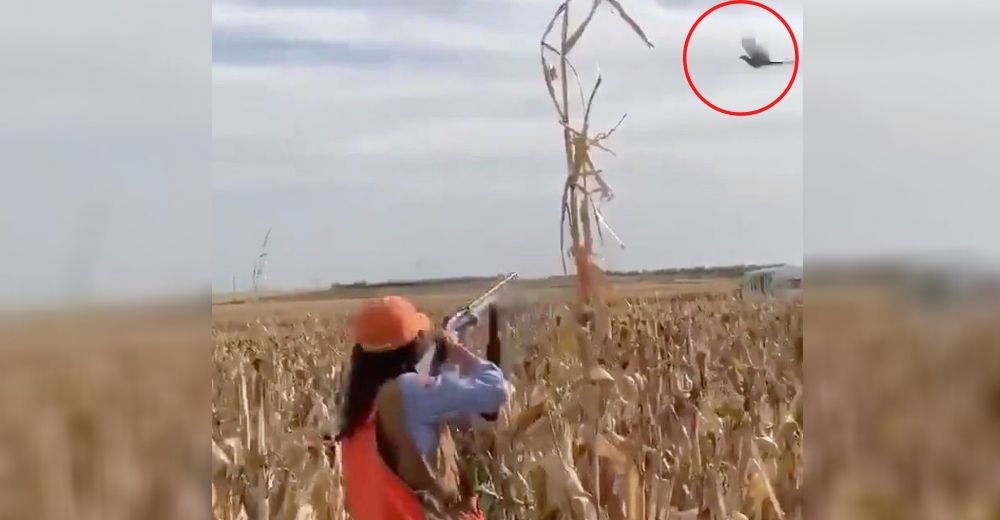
(464, 319)
(468, 316)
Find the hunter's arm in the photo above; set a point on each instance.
(450, 397)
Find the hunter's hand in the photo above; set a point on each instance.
(457, 353)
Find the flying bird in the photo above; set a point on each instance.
(758, 56)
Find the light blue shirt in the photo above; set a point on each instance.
(450, 398)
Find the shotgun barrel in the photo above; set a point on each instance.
(469, 315)
(465, 318)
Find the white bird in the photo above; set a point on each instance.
(756, 55)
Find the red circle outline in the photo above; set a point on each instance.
(687, 73)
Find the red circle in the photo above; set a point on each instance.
(795, 65)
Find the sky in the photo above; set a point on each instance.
(900, 129)
(104, 150)
(147, 147)
(389, 139)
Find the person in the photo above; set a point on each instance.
(398, 457)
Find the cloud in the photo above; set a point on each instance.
(442, 111)
(360, 27)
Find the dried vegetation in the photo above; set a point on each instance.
(697, 400)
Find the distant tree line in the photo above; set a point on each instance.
(727, 271)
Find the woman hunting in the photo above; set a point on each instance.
(399, 459)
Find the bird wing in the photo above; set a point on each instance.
(754, 50)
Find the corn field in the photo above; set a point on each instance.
(104, 415)
(697, 400)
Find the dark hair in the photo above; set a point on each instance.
(369, 371)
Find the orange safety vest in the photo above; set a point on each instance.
(374, 491)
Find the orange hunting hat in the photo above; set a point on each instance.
(388, 323)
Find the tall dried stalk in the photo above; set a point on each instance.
(258, 266)
(583, 182)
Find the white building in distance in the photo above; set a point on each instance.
(773, 281)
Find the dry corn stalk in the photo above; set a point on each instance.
(578, 207)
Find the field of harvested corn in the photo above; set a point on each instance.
(697, 395)
(104, 413)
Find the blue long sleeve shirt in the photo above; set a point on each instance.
(449, 397)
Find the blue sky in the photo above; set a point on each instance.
(384, 140)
